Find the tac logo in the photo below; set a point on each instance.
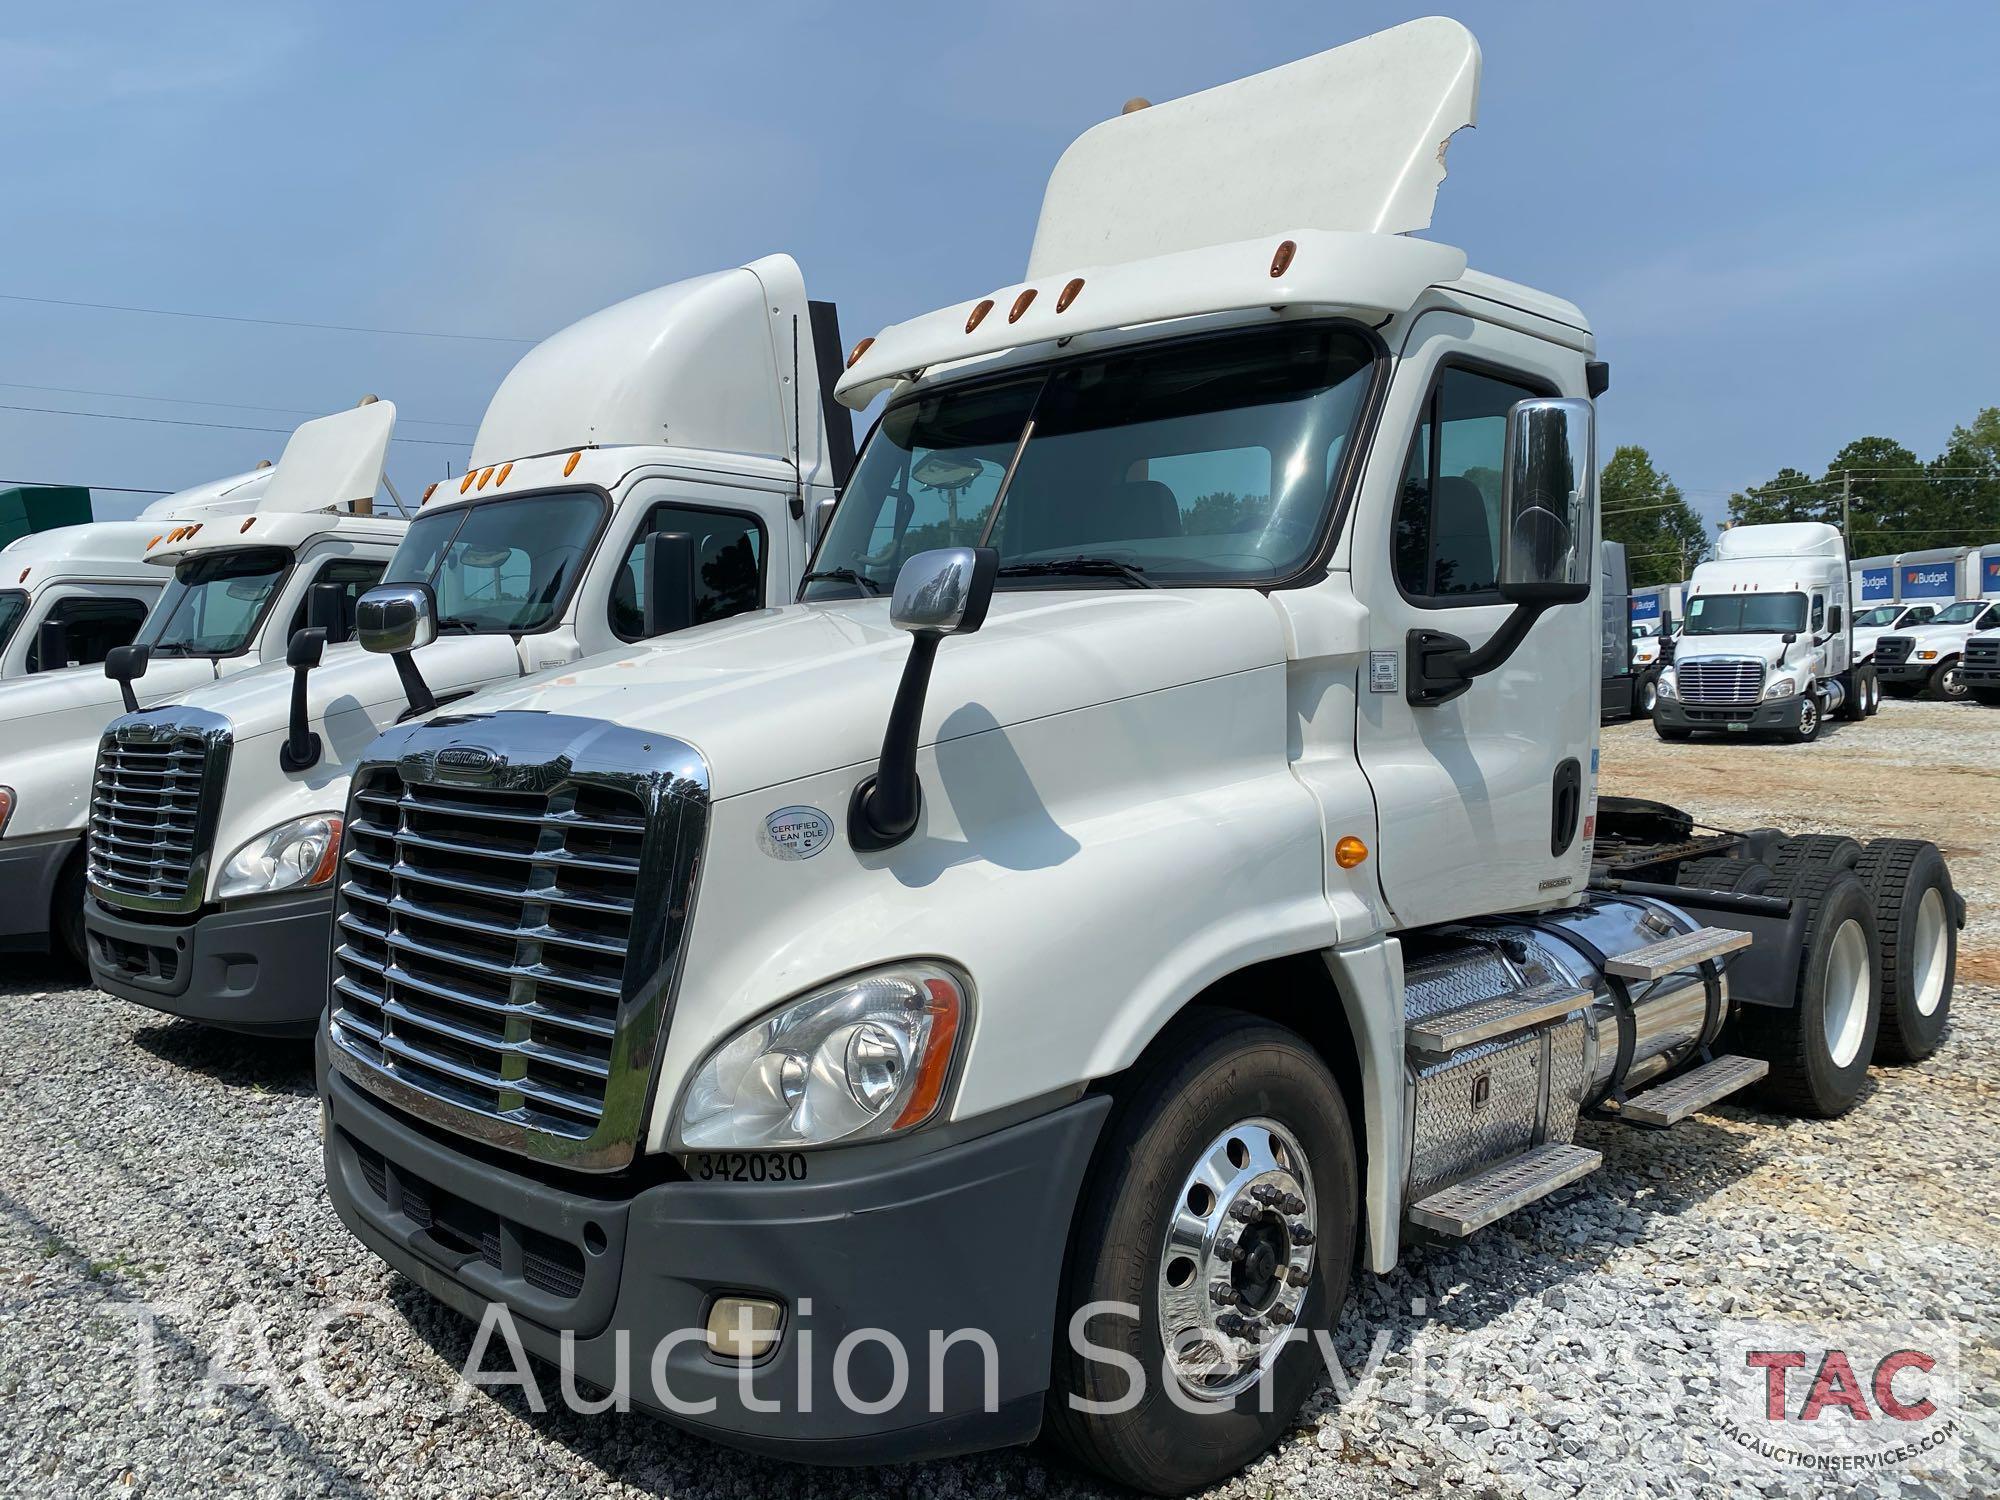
(1839, 1399)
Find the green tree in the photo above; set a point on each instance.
(1790, 495)
(1886, 495)
(1644, 509)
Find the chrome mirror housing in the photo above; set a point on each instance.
(944, 591)
(1546, 541)
(395, 617)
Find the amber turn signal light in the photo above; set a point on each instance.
(1349, 851)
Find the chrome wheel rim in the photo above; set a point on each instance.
(1931, 955)
(1845, 1016)
(1808, 716)
(1649, 698)
(1237, 1259)
(1950, 683)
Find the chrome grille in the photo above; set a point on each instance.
(1893, 650)
(1720, 681)
(506, 927)
(1983, 653)
(152, 808)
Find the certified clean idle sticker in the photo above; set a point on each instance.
(796, 833)
(1384, 668)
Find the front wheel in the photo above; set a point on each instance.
(1215, 1237)
(1649, 696)
(1809, 717)
(1947, 682)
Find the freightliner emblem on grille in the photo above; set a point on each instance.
(460, 760)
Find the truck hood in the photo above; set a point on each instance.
(782, 693)
(71, 688)
(1930, 637)
(1768, 649)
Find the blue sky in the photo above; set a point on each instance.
(1783, 220)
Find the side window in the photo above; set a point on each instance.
(1818, 612)
(355, 575)
(1918, 615)
(1447, 533)
(94, 625)
(728, 566)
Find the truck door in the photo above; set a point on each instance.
(1484, 800)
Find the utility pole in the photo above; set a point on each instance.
(1846, 498)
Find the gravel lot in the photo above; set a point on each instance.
(1565, 1351)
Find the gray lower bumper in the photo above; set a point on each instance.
(1911, 671)
(259, 969)
(29, 869)
(1767, 717)
(965, 1236)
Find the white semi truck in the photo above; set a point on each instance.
(1927, 658)
(1155, 868)
(234, 562)
(638, 471)
(1766, 644)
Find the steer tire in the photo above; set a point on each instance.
(1916, 917)
(1211, 1075)
(66, 913)
(1840, 982)
(1718, 872)
(1947, 683)
(1669, 731)
(1816, 851)
(1989, 696)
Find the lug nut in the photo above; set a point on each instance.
(1267, 1195)
(1300, 1234)
(1243, 1211)
(1293, 1205)
(1279, 1313)
(1233, 1325)
(1297, 1277)
(1230, 1248)
(1222, 1294)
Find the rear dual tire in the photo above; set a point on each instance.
(1916, 918)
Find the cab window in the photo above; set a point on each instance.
(355, 575)
(1818, 611)
(93, 625)
(728, 566)
(1447, 532)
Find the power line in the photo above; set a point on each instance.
(113, 416)
(282, 411)
(172, 312)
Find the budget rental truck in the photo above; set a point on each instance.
(654, 465)
(1155, 868)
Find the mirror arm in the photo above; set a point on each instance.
(1443, 666)
(883, 810)
(300, 751)
(414, 687)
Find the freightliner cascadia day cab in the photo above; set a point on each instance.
(666, 422)
(68, 596)
(1928, 658)
(207, 620)
(1766, 644)
(1156, 865)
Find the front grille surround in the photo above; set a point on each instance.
(513, 899)
(1894, 650)
(155, 800)
(1982, 654)
(1719, 680)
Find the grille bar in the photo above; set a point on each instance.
(1723, 681)
(1894, 650)
(152, 806)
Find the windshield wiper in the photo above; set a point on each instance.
(844, 575)
(458, 622)
(1081, 567)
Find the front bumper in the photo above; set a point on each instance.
(29, 869)
(1912, 671)
(965, 1236)
(1771, 715)
(258, 969)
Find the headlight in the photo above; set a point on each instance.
(6, 806)
(1782, 687)
(299, 854)
(1927, 656)
(860, 1059)
(1665, 686)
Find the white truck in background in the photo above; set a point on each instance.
(1928, 658)
(1877, 620)
(1766, 642)
(234, 560)
(1155, 868)
(655, 465)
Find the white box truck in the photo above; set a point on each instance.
(1767, 643)
(1156, 867)
(654, 465)
(236, 561)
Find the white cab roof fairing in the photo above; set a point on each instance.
(93, 549)
(265, 529)
(705, 363)
(1780, 539)
(332, 461)
(1353, 138)
(238, 494)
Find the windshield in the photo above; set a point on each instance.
(1882, 614)
(1745, 614)
(13, 605)
(1962, 613)
(501, 567)
(215, 602)
(1202, 461)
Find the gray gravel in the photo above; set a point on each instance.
(153, 1162)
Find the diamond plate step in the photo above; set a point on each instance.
(1498, 1191)
(1693, 1091)
(1500, 1016)
(1671, 955)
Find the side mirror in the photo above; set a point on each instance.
(394, 620)
(326, 609)
(1546, 543)
(939, 593)
(1834, 619)
(302, 653)
(821, 518)
(669, 602)
(51, 645)
(1789, 636)
(125, 665)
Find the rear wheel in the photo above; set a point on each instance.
(1718, 872)
(1916, 917)
(1874, 692)
(1819, 1047)
(1222, 1212)
(1816, 851)
(1947, 682)
(1854, 706)
(66, 912)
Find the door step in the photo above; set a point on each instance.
(1681, 951)
(1499, 1190)
(1693, 1091)
(1500, 1016)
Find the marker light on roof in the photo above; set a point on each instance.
(979, 314)
(24, 575)
(156, 541)
(1281, 260)
(1069, 294)
(505, 469)
(1020, 305)
(570, 467)
(429, 490)
(859, 349)
(466, 483)
(485, 474)
(245, 526)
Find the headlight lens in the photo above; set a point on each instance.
(1665, 686)
(6, 806)
(1927, 656)
(1782, 687)
(295, 855)
(860, 1059)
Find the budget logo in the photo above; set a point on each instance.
(1839, 1399)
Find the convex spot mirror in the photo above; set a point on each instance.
(1546, 543)
(395, 617)
(945, 591)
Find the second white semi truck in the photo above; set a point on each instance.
(1156, 868)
